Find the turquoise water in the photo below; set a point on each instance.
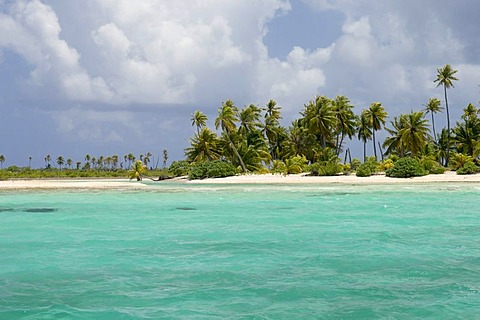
(260, 252)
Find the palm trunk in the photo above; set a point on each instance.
(364, 151)
(374, 148)
(242, 164)
(434, 133)
(448, 127)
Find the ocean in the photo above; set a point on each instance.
(185, 251)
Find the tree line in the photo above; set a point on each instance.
(253, 140)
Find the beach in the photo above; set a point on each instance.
(125, 184)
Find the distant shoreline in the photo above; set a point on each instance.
(125, 184)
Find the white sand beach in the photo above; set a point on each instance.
(448, 176)
(125, 184)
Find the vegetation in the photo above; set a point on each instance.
(406, 168)
(251, 139)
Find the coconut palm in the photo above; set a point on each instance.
(137, 171)
(203, 147)
(345, 121)
(60, 161)
(271, 128)
(364, 131)
(48, 158)
(376, 116)
(432, 107)
(69, 163)
(227, 116)
(319, 117)
(445, 78)
(2, 160)
(199, 120)
(249, 118)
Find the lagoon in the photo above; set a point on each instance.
(178, 250)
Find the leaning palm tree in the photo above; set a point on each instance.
(227, 116)
(137, 171)
(199, 120)
(445, 78)
(376, 115)
(432, 107)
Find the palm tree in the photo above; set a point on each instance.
(432, 107)
(203, 147)
(410, 134)
(47, 160)
(199, 119)
(319, 118)
(137, 171)
(364, 131)
(445, 78)
(69, 163)
(60, 161)
(165, 158)
(271, 128)
(345, 121)
(249, 119)
(2, 160)
(227, 116)
(29, 161)
(376, 115)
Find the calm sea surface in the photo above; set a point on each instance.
(242, 251)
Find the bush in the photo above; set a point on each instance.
(179, 168)
(279, 167)
(468, 168)
(386, 164)
(355, 163)
(325, 168)
(212, 169)
(437, 169)
(406, 168)
(367, 168)
(364, 170)
(296, 164)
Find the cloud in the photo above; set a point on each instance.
(34, 33)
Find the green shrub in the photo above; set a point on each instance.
(279, 167)
(212, 169)
(367, 168)
(296, 164)
(437, 169)
(325, 168)
(355, 163)
(468, 168)
(364, 170)
(405, 168)
(179, 168)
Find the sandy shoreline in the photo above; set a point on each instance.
(125, 184)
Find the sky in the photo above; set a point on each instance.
(112, 77)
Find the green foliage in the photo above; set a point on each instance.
(325, 168)
(296, 164)
(406, 168)
(468, 168)
(211, 169)
(137, 171)
(459, 160)
(385, 165)
(179, 168)
(367, 168)
(355, 163)
(279, 167)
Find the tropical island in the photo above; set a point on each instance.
(251, 140)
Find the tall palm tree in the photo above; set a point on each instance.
(69, 163)
(364, 131)
(432, 107)
(227, 116)
(271, 127)
(345, 121)
(249, 119)
(319, 117)
(48, 158)
(445, 78)
(199, 120)
(203, 147)
(60, 161)
(2, 160)
(376, 116)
